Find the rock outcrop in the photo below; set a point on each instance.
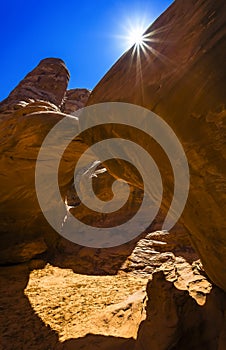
(25, 121)
(174, 81)
(141, 256)
(75, 99)
(59, 309)
(180, 75)
(184, 311)
(27, 115)
(47, 82)
(22, 224)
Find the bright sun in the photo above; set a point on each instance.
(138, 37)
(133, 33)
(135, 37)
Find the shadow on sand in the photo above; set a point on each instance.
(196, 326)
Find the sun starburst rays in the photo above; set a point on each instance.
(146, 47)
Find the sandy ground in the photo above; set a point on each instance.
(72, 304)
(51, 308)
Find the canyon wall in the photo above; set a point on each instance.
(180, 75)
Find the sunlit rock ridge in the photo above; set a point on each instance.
(181, 77)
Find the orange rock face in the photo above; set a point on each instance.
(75, 99)
(184, 311)
(27, 115)
(48, 82)
(25, 121)
(181, 77)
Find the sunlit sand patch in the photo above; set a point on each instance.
(75, 305)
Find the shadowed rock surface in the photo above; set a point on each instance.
(27, 115)
(184, 311)
(181, 77)
(53, 308)
(25, 121)
(42, 305)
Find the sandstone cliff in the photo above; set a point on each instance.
(27, 115)
(181, 77)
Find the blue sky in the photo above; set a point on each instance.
(85, 34)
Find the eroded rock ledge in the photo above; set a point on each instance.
(184, 311)
(27, 115)
(183, 82)
(182, 79)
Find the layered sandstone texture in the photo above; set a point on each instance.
(74, 100)
(27, 115)
(55, 293)
(180, 75)
(188, 309)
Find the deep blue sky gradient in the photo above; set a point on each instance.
(82, 33)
